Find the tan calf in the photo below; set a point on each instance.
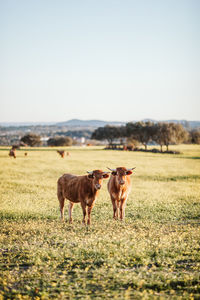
(119, 186)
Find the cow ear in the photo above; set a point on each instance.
(90, 176)
(105, 175)
(129, 172)
(114, 173)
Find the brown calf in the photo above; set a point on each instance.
(79, 189)
(119, 186)
(12, 153)
(61, 152)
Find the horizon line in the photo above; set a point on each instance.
(85, 120)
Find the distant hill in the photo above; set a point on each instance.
(77, 123)
(88, 123)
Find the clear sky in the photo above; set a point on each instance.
(114, 60)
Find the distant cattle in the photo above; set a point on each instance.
(61, 152)
(12, 153)
(129, 148)
(79, 189)
(119, 186)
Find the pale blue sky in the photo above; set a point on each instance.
(116, 60)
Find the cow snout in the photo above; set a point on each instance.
(121, 182)
(97, 186)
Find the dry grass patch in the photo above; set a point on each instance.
(155, 253)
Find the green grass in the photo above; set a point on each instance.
(153, 254)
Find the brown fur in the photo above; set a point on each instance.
(12, 153)
(61, 152)
(79, 189)
(119, 186)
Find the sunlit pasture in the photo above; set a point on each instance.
(154, 253)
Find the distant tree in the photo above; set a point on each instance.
(159, 135)
(169, 133)
(146, 133)
(194, 136)
(15, 146)
(132, 142)
(132, 130)
(121, 133)
(75, 133)
(180, 134)
(31, 139)
(60, 141)
(143, 132)
(109, 133)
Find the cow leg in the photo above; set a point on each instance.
(71, 204)
(61, 200)
(84, 212)
(122, 209)
(115, 213)
(118, 203)
(89, 212)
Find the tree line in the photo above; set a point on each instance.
(132, 134)
(33, 139)
(163, 134)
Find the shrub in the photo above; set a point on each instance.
(60, 141)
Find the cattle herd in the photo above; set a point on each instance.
(84, 190)
(12, 152)
(62, 153)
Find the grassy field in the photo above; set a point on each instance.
(153, 254)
